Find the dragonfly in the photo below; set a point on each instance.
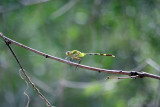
(77, 55)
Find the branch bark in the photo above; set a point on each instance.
(121, 72)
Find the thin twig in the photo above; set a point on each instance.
(25, 89)
(129, 73)
(131, 77)
(25, 74)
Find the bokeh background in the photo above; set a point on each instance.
(129, 29)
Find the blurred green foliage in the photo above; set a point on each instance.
(129, 29)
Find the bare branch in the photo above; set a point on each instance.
(129, 73)
(25, 74)
(25, 93)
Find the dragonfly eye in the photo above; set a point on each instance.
(68, 53)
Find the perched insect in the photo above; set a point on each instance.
(75, 54)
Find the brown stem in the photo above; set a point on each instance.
(129, 73)
(8, 42)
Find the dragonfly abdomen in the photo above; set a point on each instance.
(100, 54)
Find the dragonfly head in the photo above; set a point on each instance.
(68, 53)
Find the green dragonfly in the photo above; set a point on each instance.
(77, 55)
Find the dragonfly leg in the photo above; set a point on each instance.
(71, 59)
(66, 58)
(79, 61)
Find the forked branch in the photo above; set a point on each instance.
(8, 42)
(129, 73)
